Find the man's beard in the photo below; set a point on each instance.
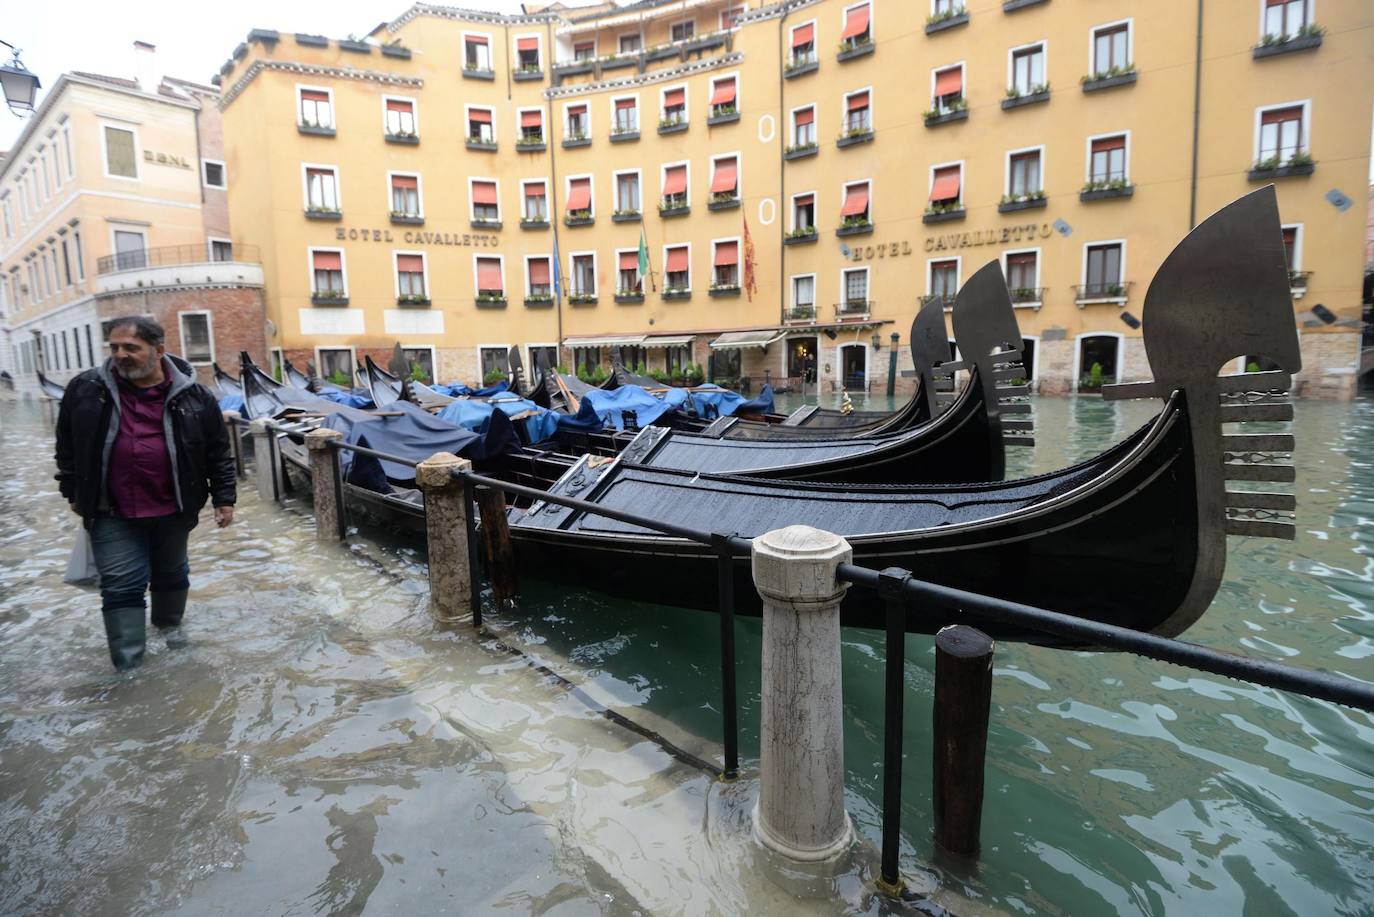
(136, 372)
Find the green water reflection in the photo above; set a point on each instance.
(1115, 784)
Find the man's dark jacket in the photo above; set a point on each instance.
(197, 442)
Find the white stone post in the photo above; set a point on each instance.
(800, 812)
(446, 530)
(264, 459)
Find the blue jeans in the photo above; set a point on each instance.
(135, 554)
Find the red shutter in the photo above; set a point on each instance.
(1279, 115)
(674, 97)
(527, 44)
(333, 261)
(489, 274)
(724, 92)
(624, 104)
(629, 261)
(949, 82)
(855, 200)
(484, 192)
(539, 271)
(803, 35)
(531, 118)
(677, 260)
(675, 180)
(946, 184)
(725, 177)
(580, 194)
(534, 189)
(1026, 259)
(1107, 144)
(398, 105)
(858, 101)
(727, 253)
(577, 110)
(480, 115)
(804, 200)
(476, 39)
(855, 22)
(313, 95)
(806, 116)
(404, 181)
(410, 264)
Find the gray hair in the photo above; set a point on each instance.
(145, 329)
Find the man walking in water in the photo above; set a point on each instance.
(140, 448)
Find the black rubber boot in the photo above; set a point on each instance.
(126, 631)
(168, 608)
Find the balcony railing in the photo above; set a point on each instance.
(168, 255)
(1114, 291)
(854, 308)
(802, 313)
(946, 300)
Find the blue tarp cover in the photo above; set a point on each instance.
(470, 414)
(231, 403)
(416, 435)
(354, 399)
(712, 401)
(610, 406)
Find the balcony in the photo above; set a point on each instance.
(800, 64)
(1027, 297)
(176, 266)
(853, 310)
(1115, 293)
(801, 314)
(171, 255)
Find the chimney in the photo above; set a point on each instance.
(145, 67)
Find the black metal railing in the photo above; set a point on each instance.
(1107, 290)
(166, 255)
(852, 307)
(801, 314)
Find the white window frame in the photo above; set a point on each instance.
(815, 41)
(1306, 139)
(844, 15)
(472, 202)
(333, 112)
(515, 48)
(414, 112)
(491, 52)
(310, 253)
(1088, 152)
(477, 290)
(572, 272)
(663, 179)
(963, 179)
(70, 157)
(792, 291)
(535, 345)
(844, 108)
(181, 331)
(582, 102)
(739, 89)
(1311, 18)
(634, 33)
(844, 193)
(574, 41)
(419, 189)
(815, 122)
(934, 76)
(140, 229)
(1044, 46)
(739, 258)
(503, 348)
(433, 356)
(591, 191)
(840, 348)
(132, 128)
(958, 274)
(683, 21)
(848, 269)
(737, 156)
(525, 277)
(223, 171)
(1039, 269)
(1298, 233)
(686, 101)
(468, 109)
(520, 126)
(816, 208)
(396, 271)
(1078, 350)
(639, 276)
(210, 246)
(524, 197)
(1006, 165)
(338, 184)
(615, 192)
(1129, 23)
(1083, 274)
(639, 122)
(667, 246)
(319, 362)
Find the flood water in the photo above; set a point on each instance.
(323, 747)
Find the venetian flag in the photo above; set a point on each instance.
(751, 285)
(557, 272)
(644, 261)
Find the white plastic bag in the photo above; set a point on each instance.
(81, 568)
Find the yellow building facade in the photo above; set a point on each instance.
(800, 176)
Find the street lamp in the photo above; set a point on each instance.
(20, 86)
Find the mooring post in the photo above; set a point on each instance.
(800, 812)
(963, 699)
(326, 483)
(231, 426)
(450, 567)
(265, 459)
(491, 508)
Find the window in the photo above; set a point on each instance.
(336, 364)
(66, 265)
(120, 157)
(67, 151)
(729, 18)
(317, 110)
(576, 127)
(1107, 160)
(677, 268)
(1023, 277)
(803, 296)
(538, 278)
(8, 210)
(631, 43)
(1284, 18)
(682, 31)
(410, 278)
(948, 90)
(804, 128)
(579, 198)
(1111, 49)
(326, 276)
(945, 7)
(674, 186)
(584, 275)
(405, 196)
(44, 182)
(804, 213)
(856, 114)
(476, 54)
(527, 54)
(584, 50)
(131, 249)
(856, 27)
(212, 173)
(321, 190)
(486, 206)
(726, 264)
(627, 192)
(490, 278)
(221, 250)
(854, 210)
(723, 100)
(944, 280)
(421, 362)
(56, 173)
(725, 179)
(946, 184)
(626, 116)
(854, 284)
(536, 203)
(532, 126)
(1103, 277)
(1028, 70)
(400, 118)
(80, 257)
(548, 351)
(674, 106)
(628, 281)
(803, 46)
(1281, 135)
(195, 337)
(1290, 247)
(480, 129)
(1023, 175)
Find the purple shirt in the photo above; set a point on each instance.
(141, 482)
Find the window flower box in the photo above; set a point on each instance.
(800, 64)
(579, 218)
(1308, 37)
(316, 130)
(412, 299)
(728, 201)
(358, 47)
(958, 111)
(724, 290)
(801, 236)
(1273, 167)
(1016, 99)
(491, 300)
(801, 151)
(671, 293)
(624, 134)
(855, 47)
(674, 207)
(396, 51)
(530, 143)
(485, 224)
(672, 125)
(477, 74)
(855, 226)
(321, 213)
(1032, 201)
(626, 216)
(1011, 6)
(948, 20)
(477, 142)
(528, 223)
(854, 136)
(1101, 191)
(723, 114)
(408, 139)
(539, 301)
(329, 298)
(527, 74)
(576, 140)
(407, 219)
(944, 214)
(1110, 79)
(801, 314)
(582, 299)
(629, 297)
(572, 68)
(619, 62)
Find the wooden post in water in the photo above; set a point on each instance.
(963, 698)
(326, 482)
(265, 459)
(800, 812)
(450, 567)
(491, 507)
(231, 426)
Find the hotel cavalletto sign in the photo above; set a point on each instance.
(955, 241)
(418, 237)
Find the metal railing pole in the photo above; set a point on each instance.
(725, 598)
(894, 709)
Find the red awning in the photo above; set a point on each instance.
(577, 109)
(724, 92)
(404, 181)
(480, 115)
(410, 264)
(855, 200)
(531, 118)
(727, 253)
(475, 39)
(624, 104)
(858, 101)
(534, 189)
(314, 95)
(677, 260)
(806, 116)
(489, 274)
(1282, 114)
(675, 180)
(946, 184)
(804, 200)
(629, 261)
(949, 82)
(398, 105)
(484, 192)
(328, 261)
(855, 22)
(527, 44)
(803, 35)
(674, 98)
(539, 271)
(1109, 143)
(580, 194)
(725, 177)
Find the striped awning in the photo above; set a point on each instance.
(741, 339)
(670, 340)
(605, 340)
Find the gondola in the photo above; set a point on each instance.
(6, 380)
(294, 377)
(50, 388)
(227, 384)
(264, 396)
